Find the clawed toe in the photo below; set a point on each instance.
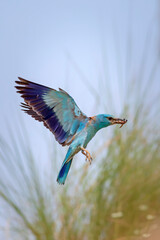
(87, 154)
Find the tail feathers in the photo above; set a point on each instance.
(64, 172)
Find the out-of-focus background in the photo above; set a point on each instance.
(106, 55)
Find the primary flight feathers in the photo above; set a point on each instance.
(56, 109)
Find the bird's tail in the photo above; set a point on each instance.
(64, 172)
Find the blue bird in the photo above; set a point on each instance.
(61, 115)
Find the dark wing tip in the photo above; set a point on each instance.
(22, 79)
(27, 83)
(22, 82)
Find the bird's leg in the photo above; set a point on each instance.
(87, 154)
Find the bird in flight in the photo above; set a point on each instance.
(61, 115)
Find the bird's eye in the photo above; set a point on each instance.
(110, 118)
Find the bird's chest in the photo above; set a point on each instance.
(90, 134)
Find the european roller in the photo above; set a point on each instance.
(61, 115)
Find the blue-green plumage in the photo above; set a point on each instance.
(59, 112)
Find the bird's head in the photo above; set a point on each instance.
(106, 120)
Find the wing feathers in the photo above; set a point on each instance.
(56, 109)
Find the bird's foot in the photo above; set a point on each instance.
(87, 154)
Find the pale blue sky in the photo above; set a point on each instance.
(57, 43)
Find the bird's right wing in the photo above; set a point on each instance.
(56, 109)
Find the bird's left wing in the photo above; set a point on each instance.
(56, 109)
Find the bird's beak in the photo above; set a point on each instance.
(119, 121)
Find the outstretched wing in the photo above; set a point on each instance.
(56, 109)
